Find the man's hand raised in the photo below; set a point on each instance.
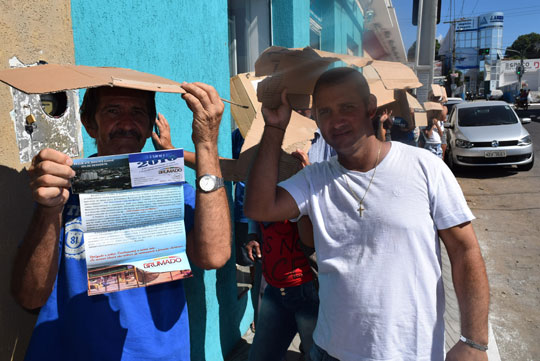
(50, 175)
(163, 140)
(203, 100)
(279, 117)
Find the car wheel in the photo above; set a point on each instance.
(526, 167)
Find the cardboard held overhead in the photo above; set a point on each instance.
(396, 75)
(432, 106)
(297, 136)
(420, 116)
(377, 88)
(437, 94)
(51, 78)
(243, 92)
(297, 70)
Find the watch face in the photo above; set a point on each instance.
(207, 183)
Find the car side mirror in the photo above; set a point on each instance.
(448, 125)
(525, 120)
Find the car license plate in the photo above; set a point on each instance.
(495, 154)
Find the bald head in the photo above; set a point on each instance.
(341, 75)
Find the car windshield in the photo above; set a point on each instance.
(482, 116)
(450, 106)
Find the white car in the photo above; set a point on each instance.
(487, 133)
(451, 102)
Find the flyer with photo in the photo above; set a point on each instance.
(132, 212)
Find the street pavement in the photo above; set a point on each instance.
(451, 318)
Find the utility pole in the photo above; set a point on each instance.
(453, 62)
(425, 46)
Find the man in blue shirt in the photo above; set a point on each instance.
(50, 268)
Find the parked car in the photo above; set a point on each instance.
(450, 102)
(487, 133)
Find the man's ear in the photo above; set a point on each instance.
(90, 127)
(372, 105)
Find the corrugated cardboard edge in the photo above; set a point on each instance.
(242, 92)
(51, 78)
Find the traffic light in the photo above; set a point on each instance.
(483, 51)
(519, 70)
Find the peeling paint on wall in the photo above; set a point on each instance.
(35, 129)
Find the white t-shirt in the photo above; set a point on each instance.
(435, 137)
(381, 292)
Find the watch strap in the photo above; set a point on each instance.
(473, 344)
(219, 182)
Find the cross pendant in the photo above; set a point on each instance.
(361, 209)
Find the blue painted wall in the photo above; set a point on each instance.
(183, 40)
(290, 23)
(342, 25)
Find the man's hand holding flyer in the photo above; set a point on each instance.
(132, 209)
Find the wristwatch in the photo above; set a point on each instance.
(208, 183)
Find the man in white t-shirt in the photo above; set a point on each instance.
(378, 210)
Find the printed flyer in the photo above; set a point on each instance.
(132, 211)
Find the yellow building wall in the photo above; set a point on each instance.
(31, 31)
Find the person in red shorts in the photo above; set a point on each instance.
(290, 303)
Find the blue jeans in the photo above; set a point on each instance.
(434, 148)
(281, 316)
(318, 354)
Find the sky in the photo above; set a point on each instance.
(520, 16)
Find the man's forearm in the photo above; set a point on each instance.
(472, 291)
(263, 177)
(36, 263)
(211, 246)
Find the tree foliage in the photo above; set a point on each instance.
(529, 44)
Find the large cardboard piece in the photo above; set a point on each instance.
(432, 106)
(437, 94)
(420, 116)
(251, 124)
(396, 75)
(52, 78)
(243, 92)
(298, 70)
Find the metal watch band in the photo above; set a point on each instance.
(473, 344)
(219, 182)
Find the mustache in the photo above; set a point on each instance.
(121, 133)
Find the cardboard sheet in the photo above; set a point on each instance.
(243, 92)
(298, 135)
(384, 96)
(51, 78)
(432, 106)
(297, 70)
(420, 116)
(396, 75)
(437, 94)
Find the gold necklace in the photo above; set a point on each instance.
(355, 196)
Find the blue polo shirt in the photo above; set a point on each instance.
(148, 323)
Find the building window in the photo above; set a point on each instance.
(314, 33)
(249, 33)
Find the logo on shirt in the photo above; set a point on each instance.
(74, 240)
